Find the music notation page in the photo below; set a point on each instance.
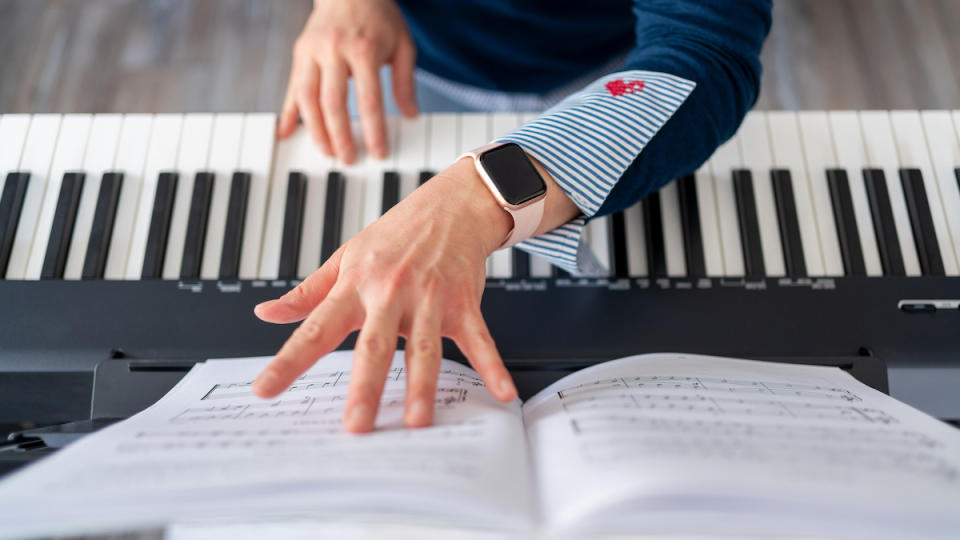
(211, 447)
(670, 443)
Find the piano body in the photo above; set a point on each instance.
(132, 246)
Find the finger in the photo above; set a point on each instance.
(320, 333)
(298, 302)
(477, 344)
(333, 97)
(288, 114)
(370, 105)
(376, 345)
(423, 357)
(404, 62)
(307, 97)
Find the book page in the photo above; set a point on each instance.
(211, 448)
(673, 443)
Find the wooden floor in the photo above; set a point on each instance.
(233, 55)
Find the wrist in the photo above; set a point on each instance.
(464, 193)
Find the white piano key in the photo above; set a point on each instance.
(819, 153)
(37, 158)
(597, 237)
(269, 266)
(13, 135)
(356, 176)
(191, 159)
(882, 154)
(672, 230)
(304, 156)
(256, 156)
(944, 147)
(223, 160)
(637, 264)
(709, 221)
(788, 154)
(540, 267)
(411, 150)
(448, 139)
(373, 182)
(68, 156)
(758, 158)
(101, 153)
(161, 156)
(501, 261)
(724, 160)
(851, 155)
(131, 161)
(913, 153)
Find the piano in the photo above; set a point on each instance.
(132, 246)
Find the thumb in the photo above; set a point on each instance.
(298, 302)
(404, 61)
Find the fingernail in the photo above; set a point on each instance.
(360, 417)
(419, 413)
(507, 388)
(266, 383)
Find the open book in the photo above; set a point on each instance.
(653, 444)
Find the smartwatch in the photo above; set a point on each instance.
(516, 185)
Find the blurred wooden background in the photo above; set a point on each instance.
(233, 55)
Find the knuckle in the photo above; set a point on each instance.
(309, 331)
(375, 346)
(364, 47)
(304, 93)
(425, 347)
(368, 101)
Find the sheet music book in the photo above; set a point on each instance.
(652, 444)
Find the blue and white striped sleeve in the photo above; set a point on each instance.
(587, 141)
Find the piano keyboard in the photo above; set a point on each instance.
(215, 197)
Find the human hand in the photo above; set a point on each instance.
(343, 39)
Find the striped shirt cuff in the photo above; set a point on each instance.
(587, 141)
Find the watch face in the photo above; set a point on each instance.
(512, 172)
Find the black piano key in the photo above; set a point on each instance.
(789, 223)
(159, 226)
(197, 226)
(558, 272)
(921, 222)
(426, 175)
(653, 230)
(11, 203)
(233, 232)
(391, 191)
(292, 223)
(749, 223)
(883, 225)
(956, 173)
(618, 245)
(842, 202)
(521, 264)
(690, 220)
(61, 231)
(332, 216)
(101, 231)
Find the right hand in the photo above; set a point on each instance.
(343, 39)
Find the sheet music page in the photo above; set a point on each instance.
(210, 447)
(672, 443)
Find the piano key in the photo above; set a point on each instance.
(709, 221)
(61, 230)
(540, 267)
(749, 225)
(130, 161)
(672, 230)
(914, 154)
(333, 215)
(307, 160)
(788, 154)
(11, 203)
(850, 250)
(921, 222)
(191, 159)
(851, 155)
(944, 146)
(99, 158)
(155, 247)
(292, 222)
(724, 160)
(883, 222)
(653, 229)
(424, 176)
(788, 223)
(13, 136)
(373, 178)
(450, 135)
(235, 227)
(390, 195)
(690, 221)
(521, 264)
(161, 157)
(36, 158)
(757, 157)
(222, 162)
(411, 151)
(256, 155)
(636, 240)
(882, 154)
(819, 154)
(196, 234)
(101, 231)
(620, 263)
(598, 238)
(355, 178)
